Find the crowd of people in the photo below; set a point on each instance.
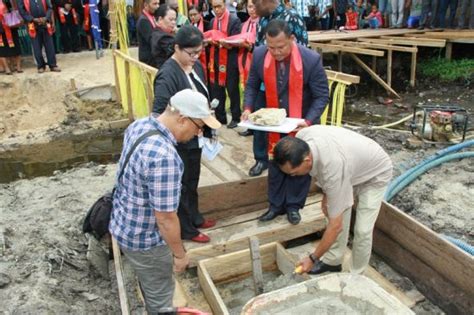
(201, 60)
(55, 26)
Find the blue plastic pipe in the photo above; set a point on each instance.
(461, 244)
(437, 155)
(414, 173)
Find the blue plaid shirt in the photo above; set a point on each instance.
(294, 20)
(151, 182)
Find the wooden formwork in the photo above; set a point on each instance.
(237, 265)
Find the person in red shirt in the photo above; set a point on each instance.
(352, 18)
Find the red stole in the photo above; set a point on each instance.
(87, 18)
(222, 52)
(6, 28)
(31, 25)
(202, 57)
(244, 54)
(194, 3)
(295, 89)
(62, 16)
(150, 18)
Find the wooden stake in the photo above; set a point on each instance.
(256, 265)
(120, 282)
(374, 75)
(128, 90)
(389, 67)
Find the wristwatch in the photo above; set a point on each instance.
(313, 258)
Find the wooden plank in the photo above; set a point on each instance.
(128, 92)
(149, 69)
(180, 299)
(229, 195)
(116, 77)
(303, 250)
(238, 263)
(211, 293)
(355, 50)
(374, 75)
(431, 283)
(403, 41)
(234, 238)
(249, 216)
(447, 259)
(326, 36)
(257, 272)
(285, 261)
(124, 305)
(376, 46)
(341, 76)
(448, 35)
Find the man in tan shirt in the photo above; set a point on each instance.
(345, 165)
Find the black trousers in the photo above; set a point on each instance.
(43, 39)
(188, 209)
(70, 36)
(218, 92)
(286, 193)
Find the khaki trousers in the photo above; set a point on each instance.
(368, 209)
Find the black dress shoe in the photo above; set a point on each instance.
(232, 124)
(294, 217)
(258, 168)
(245, 133)
(320, 267)
(267, 216)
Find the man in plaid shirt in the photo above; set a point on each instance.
(144, 220)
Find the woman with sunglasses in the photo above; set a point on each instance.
(184, 71)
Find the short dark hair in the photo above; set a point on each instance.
(188, 36)
(292, 150)
(275, 27)
(198, 8)
(162, 11)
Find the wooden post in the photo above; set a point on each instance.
(339, 61)
(116, 76)
(413, 69)
(449, 50)
(389, 67)
(149, 91)
(128, 87)
(256, 265)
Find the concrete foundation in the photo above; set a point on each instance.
(342, 293)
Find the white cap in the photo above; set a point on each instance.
(193, 104)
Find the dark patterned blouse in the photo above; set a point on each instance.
(294, 20)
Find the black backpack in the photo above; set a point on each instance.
(97, 218)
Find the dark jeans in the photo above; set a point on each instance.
(69, 37)
(188, 210)
(464, 14)
(218, 92)
(43, 39)
(429, 10)
(286, 193)
(443, 9)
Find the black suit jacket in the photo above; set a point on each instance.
(315, 85)
(170, 80)
(233, 28)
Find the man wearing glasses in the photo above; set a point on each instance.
(144, 220)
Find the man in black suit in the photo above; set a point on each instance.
(145, 25)
(305, 96)
(223, 65)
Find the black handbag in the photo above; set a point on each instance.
(96, 221)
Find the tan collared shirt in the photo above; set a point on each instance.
(345, 163)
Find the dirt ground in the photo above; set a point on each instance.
(43, 266)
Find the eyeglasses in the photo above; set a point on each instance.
(201, 128)
(193, 54)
